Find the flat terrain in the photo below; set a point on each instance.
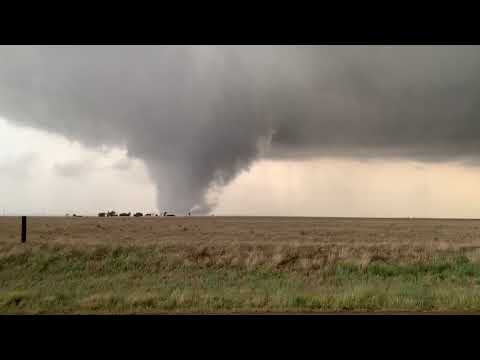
(239, 265)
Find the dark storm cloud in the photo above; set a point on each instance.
(195, 115)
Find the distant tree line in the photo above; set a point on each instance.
(137, 214)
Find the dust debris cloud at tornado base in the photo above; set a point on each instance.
(198, 115)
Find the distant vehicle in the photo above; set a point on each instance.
(170, 215)
(112, 213)
(102, 214)
(148, 214)
(138, 214)
(126, 214)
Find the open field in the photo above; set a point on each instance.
(238, 264)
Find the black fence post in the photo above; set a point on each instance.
(24, 229)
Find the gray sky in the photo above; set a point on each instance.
(327, 131)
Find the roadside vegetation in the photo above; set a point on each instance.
(43, 278)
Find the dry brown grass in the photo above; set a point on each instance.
(129, 265)
(297, 243)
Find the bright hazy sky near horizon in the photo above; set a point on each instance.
(38, 176)
(355, 131)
